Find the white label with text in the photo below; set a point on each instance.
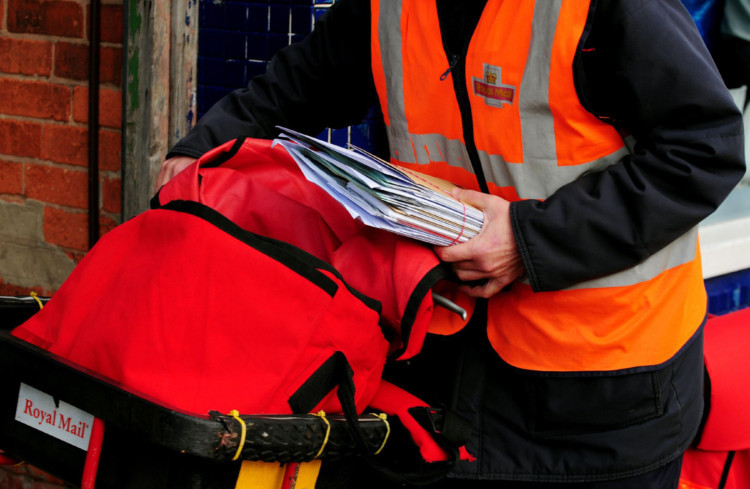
(61, 420)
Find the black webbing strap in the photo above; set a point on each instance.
(725, 472)
(320, 383)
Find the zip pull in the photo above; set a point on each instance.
(454, 62)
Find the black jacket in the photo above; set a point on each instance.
(641, 66)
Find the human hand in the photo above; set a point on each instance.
(172, 167)
(492, 254)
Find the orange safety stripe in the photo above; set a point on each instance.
(599, 329)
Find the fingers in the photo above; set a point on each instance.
(488, 289)
(172, 167)
(455, 253)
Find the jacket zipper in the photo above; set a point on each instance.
(457, 66)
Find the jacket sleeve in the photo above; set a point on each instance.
(325, 80)
(645, 68)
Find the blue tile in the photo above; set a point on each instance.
(279, 22)
(360, 136)
(211, 71)
(302, 20)
(257, 46)
(235, 45)
(729, 292)
(236, 16)
(325, 135)
(340, 137)
(234, 74)
(211, 43)
(211, 14)
(257, 18)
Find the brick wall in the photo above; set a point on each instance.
(44, 134)
(44, 150)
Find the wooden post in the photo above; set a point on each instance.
(183, 69)
(159, 91)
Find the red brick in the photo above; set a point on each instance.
(110, 106)
(106, 225)
(65, 144)
(110, 65)
(57, 185)
(11, 178)
(67, 229)
(35, 99)
(51, 17)
(72, 61)
(111, 24)
(110, 150)
(112, 195)
(20, 138)
(2, 11)
(25, 57)
(76, 257)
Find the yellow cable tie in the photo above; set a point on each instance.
(236, 415)
(322, 415)
(384, 417)
(36, 297)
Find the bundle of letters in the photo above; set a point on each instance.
(382, 195)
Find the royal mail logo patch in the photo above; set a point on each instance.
(63, 421)
(491, 88)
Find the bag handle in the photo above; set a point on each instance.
(337, 372)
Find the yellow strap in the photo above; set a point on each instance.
(36, 297)
(384, 417)
(236, 415)
(322, 415)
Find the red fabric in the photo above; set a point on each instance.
(176, 309)
(702, 470)
(727, 425)
(171, 308)
(394, 400)
(261, 188)
(728, 364)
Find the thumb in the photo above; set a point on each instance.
(470, 197)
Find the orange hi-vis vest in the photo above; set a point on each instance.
(530, 135)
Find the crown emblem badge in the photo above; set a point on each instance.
(495, 93)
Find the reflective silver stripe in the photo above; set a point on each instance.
(537, 123)
(542, 178)
(679, 252)
(436, 147)
(393, 65)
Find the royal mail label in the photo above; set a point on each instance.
(61, 420)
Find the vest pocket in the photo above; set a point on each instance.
(586, 403)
